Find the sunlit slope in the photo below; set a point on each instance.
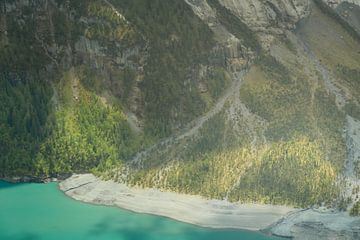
(280, 138)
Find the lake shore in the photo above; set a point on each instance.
(320, 224)
(33, 179)
(186, 208)
(313, 223)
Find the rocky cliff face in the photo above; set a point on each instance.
(269, 18)
(265, 18)
(335, 3)
(110, 47)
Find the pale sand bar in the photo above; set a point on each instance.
(185, 208)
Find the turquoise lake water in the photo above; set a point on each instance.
(41, 211)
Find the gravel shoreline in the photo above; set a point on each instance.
(283, 221)
(186, 208)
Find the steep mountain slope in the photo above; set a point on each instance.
(288, 111)
(81, 50)
(250, 101)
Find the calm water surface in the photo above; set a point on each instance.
(41, 211)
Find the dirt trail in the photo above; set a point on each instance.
(55, 96)
(74, 84)
(194, 126)
(254, 125)
(231, 91)
(204, 11)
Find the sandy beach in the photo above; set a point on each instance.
(181, 207)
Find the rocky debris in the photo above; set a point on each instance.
(269, 18)
(350, 13)
(187, 208)
(335, 3)
(341, 93)
(318, 224)
(193, 127)
(234, 53)
(352, 181)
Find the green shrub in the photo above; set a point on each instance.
(355, 210)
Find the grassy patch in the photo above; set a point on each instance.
(271, 93)
(293, 172)
(287, 103)
(87, 134)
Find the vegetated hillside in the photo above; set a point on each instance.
(189, 96)
(79, 77)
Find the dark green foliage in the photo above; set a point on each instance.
(62, 28)
(80, 7)
(24, 52)
(217, 82)
(235, 26)
(214, 137)
(36, 139)
(357, 169)
(274, 69)
(178, 42)
(351, 77)
(26, 118)
(87, 135)
(25, 107)
(355, 211)
(343, 204)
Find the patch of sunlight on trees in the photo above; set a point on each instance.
(87, 134)
(290, 108)
(292, 173)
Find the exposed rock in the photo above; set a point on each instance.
(353, 158)
(335, 3)
(350, 12)
(269, 18)
(318, 224)
(229, 48)
(187, 208)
